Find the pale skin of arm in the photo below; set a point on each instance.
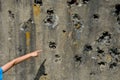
(18, 60)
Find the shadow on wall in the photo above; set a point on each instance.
(41, 71)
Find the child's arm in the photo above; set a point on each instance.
(10, 64)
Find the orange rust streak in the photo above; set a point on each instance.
(28, 39)
(36, 10)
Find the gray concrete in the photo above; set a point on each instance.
(23, 29)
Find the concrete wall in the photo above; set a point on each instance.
(80, 41)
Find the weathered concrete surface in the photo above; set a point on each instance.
(73, 48)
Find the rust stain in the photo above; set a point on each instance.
(36, 9)
(28, 39)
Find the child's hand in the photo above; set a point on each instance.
(35, 53)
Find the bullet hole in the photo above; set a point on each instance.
(92, 73)
(20, 49)
(117, 9)
(87, 47)
(11, 14)
(52, 19)
(99, 50)
(50, 11)
(101, 63)
(71, 2)
(57, 56)
(38, 2)
(77, 58)
(105, 37)
(113, 65)
(56, 60)
(64, 31)
(118, 20)
(96, 16)
(114, 51)
(76, 21)
(85, 1)
(52, 45)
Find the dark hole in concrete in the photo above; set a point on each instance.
(113, 65)
(85, 1)
(57, 56)
(38, 2)
(70, 2)
(64, 31)
(99, 50)
(101, 63)
(49, 20)
(76, 16)
(77, 58)
(50, 11)
(105, 35)
(114, 51)
(96, 16)
(92, 73)
(11, 14)
(117, 9)
(20, 49)
(118, 20)
(87, 47)
(52, 45)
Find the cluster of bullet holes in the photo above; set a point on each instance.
(52, 45)
(114, 59)
(78, 58)
(105, 38)
(87, 47)
(40, 2)
(52, 19)
(77, 21)
(58, 58)
(85, 1)
(11, 15)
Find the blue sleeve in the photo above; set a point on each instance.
(1, 74)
